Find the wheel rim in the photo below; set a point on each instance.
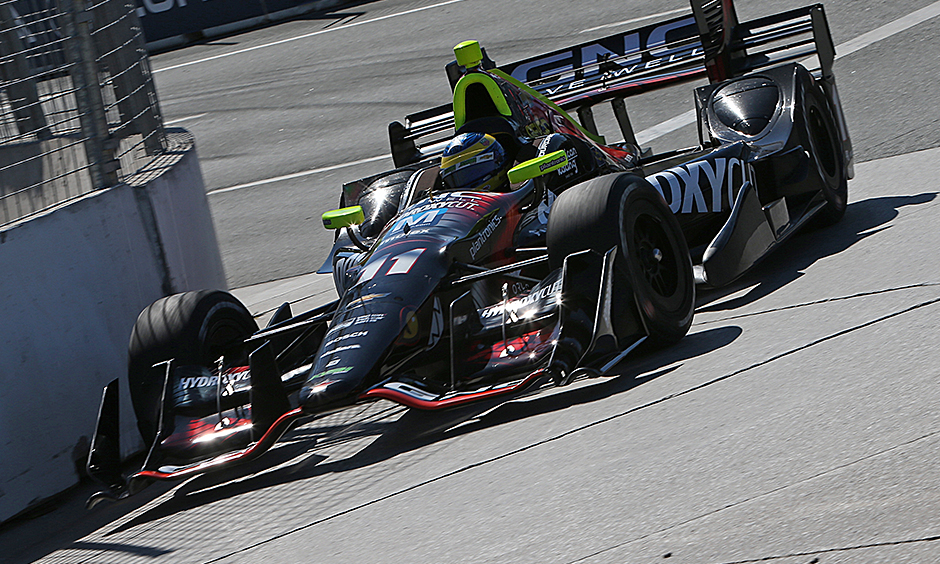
(221, 336)
(822, 141)
(654, 256)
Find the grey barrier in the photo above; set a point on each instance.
(102, 211)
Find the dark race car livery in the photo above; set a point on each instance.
(563, 262)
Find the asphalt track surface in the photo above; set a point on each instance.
(798, 422)
(318, 93)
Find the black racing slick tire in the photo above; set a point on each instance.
(828, 157)
(192, 328)
(626, 212)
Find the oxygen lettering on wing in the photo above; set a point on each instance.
(701, 186)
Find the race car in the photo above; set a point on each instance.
(512, 247)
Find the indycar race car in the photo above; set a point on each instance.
(512, 247)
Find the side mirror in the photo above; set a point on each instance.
(343, 217)
(538, 166)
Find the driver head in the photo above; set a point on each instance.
(474, 162)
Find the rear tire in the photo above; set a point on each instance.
(626, 212)
(193, 328)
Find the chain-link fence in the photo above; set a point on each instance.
(78, 109)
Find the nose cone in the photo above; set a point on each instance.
(323, 392)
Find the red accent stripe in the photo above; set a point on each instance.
(275, 432)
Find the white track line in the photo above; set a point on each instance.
(178, 120)
(851, 46)
(897, 26)
(297, 175)
(305, 36)
(887, 30)
(637, 20)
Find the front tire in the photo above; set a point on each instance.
(829, 158)
(626, 212)
(193, 328)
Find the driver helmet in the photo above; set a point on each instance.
(474, 161)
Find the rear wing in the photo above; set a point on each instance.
(708, 42)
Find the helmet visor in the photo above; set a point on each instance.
(471, 172)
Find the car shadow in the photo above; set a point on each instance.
(418, 429)
(863, 219)
(413, 430)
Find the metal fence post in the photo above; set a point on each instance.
(99, 145)
(119, 35)
(21, 87)
(78, 108)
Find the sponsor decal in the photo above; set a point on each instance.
(363, 299)
(512, 306)
(484, 235)
(519, 287)
(358, 320)
(571, 154)
(701, 186)
(554, 162)
(341, 349)
(449, 200)
(643, 49)
(538, 128)
(418, 220)
(353, 335)
(229, 379)
(410, 332)
(410, 390)
(475, 160)
(543, 145)
(331, 372)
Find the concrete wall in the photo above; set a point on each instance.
(72, 282)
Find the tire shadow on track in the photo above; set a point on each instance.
(415, 430)
(863, 219)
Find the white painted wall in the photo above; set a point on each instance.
(72, 282)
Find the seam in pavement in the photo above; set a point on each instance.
(584, 427)
(838, 549)
(777, 490)
(823, 301)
